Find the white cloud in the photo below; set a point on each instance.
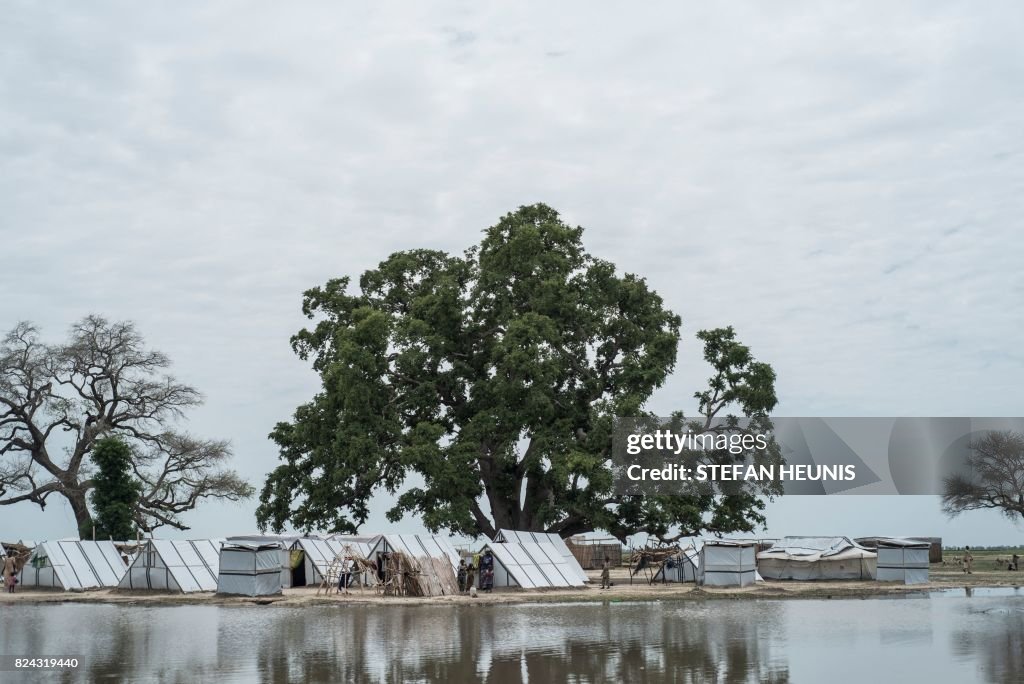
(841, 184)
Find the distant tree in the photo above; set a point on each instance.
(994, 477)
(115, 494)
(493, 378)
(56, 401)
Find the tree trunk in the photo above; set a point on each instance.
(80, 507)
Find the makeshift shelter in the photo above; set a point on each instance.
(934, 552)
(816, 558)
(174, 566)
(531, 565)
(416, 565)
(727, 563)
(311, 558)
(250, 568)
(73, 565)
(681, 567)
(903, 560)
(554, 540)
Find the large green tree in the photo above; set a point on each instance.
(115, 493)
(493, 378)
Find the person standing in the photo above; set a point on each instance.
(10, 573)
(968, 561)
(1016, 562)
(470, 576)
(487, 572)
(346, 575)
(462, 575)
(606, 573)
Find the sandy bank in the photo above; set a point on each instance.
(941, 578)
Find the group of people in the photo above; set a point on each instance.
(467, 573)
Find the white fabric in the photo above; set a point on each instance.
(555, 541)
(685, 567)
(74, 565)
(726, 563)
(903, 561)
(530, 565)
(175, 566)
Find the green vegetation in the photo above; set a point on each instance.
(115, 493)
(488, 382)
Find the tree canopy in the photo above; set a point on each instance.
(56, 401)
(115, 493)
(993, 477)
(483, 387)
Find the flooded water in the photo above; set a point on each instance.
(942, 637)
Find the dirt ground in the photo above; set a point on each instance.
(941, 577)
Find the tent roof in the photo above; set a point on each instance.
(534, 565)
(811, 549)
(903, 542)
(83, 564)
(521, 536)
(252, 545)
(730, 542)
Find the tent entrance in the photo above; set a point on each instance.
(298, 563)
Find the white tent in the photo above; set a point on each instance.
(250, 568)
(318, 554)
(176, 566)
(73, 565)
(727, 563)
(531, 565)
(541, 537)
(425, 550)
(903, 560)
(681, 568)
(816, 558)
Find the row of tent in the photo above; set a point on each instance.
(261, 565)
(726, 562)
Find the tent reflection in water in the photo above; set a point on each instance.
(727, 563)
(250, 568)
(903, 560)
(817, 558)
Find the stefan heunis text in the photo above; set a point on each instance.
(736, 472)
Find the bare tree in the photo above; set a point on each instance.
(995, 477)
(57, 400)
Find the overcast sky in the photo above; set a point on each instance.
(843, 184)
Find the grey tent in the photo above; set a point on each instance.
(816, 558)
(284, 542)
(903, 560)
(73, 565)
(174, 566)
(554, 540)
(250, 568)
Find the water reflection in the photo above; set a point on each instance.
(720, 641)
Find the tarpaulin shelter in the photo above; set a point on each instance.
(73, 565)
(531, 565)
(728, 563)
(816, 558)
(903, 560)
(250, 568)
(554, 540)
(174, 566)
